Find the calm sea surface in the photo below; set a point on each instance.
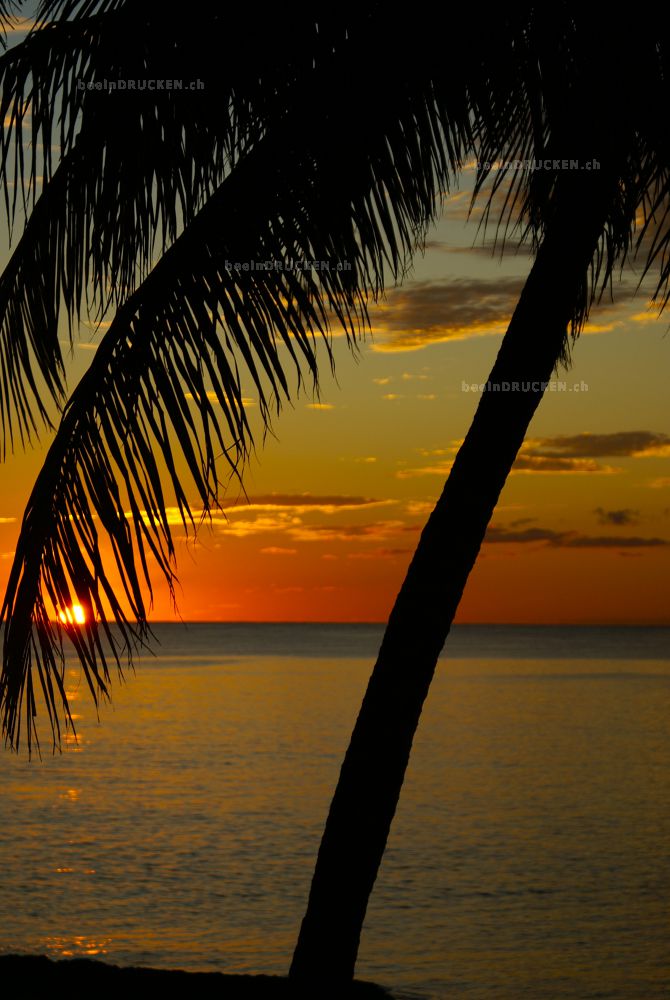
(530, 856)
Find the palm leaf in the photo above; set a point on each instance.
(195, 327)
(192, 327)
(8, 11)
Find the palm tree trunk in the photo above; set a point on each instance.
(373, 770)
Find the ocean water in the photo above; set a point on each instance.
(530, 855)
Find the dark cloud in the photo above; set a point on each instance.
(431, 311)
(529, 461)
(617, 517)
(499, 534)
(426, 312)
(626, 444)
(613, 542)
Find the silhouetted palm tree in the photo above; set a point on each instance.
(285, 153)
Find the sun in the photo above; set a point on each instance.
(73, 616)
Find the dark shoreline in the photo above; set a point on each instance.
(31, 976)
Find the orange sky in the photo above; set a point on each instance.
(582, 530)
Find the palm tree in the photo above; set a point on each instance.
(583, 224)
(283, 154)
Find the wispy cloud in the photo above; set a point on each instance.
(247, 401)
(625, 444)
(378, 554)
(620, 518)
(301, 502)
(529, 462)
(373, 531)
(498, 534)
(576, 454)
(320, 406)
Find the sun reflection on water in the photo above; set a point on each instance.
(73, 947)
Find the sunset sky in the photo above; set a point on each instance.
(338, 496)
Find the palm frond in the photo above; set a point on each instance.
(8, 11)
(130, 175)
(546, 106)
(199, 325)
(89, 240)
(294, 123)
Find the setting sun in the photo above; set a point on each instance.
(73, 616)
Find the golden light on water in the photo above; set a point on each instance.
(73, 616)
(77, 947)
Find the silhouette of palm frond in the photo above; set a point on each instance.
(283, 155)
(192, 328)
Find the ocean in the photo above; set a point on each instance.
(530, 855)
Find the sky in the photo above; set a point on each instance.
(339, 492)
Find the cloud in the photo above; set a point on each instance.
(378, 554)
(421, 313)
(420, 507)
(247, 401)
(496, 534)
(650, 315)
(7, 520)
(320, 406)
(302, 502)
(527, 462)
(441, 469)
(499, 534)
(617, 517)
(624, 444)
(346, 532)
(19, 25)
(392, 396)
(660, 484)
(277, 550)
(429, 312)
(575, 454)
(613, 542)
(578, 453)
